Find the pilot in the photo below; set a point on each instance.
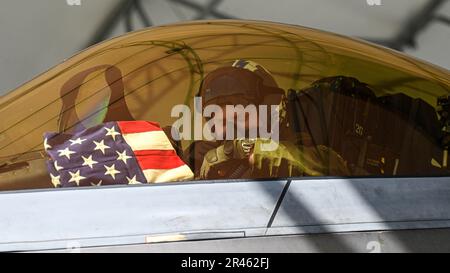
(248, 83)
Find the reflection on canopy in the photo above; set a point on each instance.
(142, 75)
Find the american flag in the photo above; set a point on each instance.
(123, 152)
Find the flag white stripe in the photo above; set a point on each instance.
(176, 174)
(155, 140)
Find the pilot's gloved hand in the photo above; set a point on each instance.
(217, 163)
(272, 159)
(288, 159)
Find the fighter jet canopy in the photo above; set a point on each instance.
(373, 106)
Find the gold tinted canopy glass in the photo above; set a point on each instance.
(142, 75)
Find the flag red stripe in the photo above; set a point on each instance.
(158, 159)
(132, 127)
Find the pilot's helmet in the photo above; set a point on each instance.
(244, 82)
